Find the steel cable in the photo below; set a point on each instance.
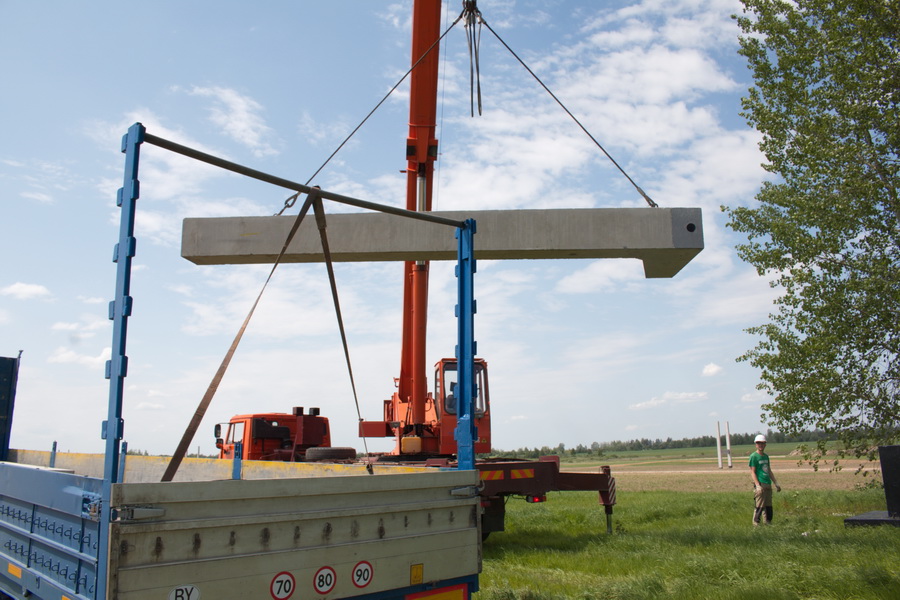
(289, 202)
(568, 112)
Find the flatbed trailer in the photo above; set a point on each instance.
(114, 527)
(284, 530)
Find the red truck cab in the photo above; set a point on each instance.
(276, 436)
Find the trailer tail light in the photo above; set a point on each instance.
(535, 499)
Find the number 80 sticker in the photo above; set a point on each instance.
(324, 580)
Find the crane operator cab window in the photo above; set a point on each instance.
(450, 392)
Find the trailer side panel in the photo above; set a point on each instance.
(326, 538)
(49, 532)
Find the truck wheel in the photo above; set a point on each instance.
(333, 453)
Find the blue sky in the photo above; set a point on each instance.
(579, 351)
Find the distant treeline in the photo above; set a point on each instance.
(705, 441)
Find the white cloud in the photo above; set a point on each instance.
(652, 403)
(66, 356)
(86, 328)
(173, 186)
(671, 397)
(25, 291)
(756, 397)
(41, 197)
(42, 180)
(150, 406)
(711, 370)
(602, 276)
(685, 397)
(397, 16)
(239, 118)
(317, 131)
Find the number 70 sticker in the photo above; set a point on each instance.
(282, 586)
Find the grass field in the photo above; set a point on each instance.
(683, 531)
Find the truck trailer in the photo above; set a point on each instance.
(112, 526)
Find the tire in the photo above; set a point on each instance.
(317, 454)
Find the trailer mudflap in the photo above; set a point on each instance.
(326, 538)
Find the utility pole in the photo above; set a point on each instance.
(719, 444)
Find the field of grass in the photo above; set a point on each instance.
(683, 531)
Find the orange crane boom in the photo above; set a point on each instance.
(421, 152)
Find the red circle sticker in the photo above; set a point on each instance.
(325, 580)
(362, 574)
(282, 586)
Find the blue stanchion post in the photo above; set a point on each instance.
(466, 348)
(117, 366)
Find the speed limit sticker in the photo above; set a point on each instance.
(282, 586)
(324, 580)
(362, 574)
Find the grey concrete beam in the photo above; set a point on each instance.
(665, 239)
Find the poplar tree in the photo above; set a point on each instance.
(826, 226)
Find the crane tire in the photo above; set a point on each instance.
(331, 453)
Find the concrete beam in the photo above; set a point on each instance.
(665, 239)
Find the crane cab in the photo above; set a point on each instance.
(446, 398)
(435, 437)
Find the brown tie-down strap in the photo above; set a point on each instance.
(326, 252)
(194, 424)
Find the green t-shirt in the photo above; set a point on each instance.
(760, 462)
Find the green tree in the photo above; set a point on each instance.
(827, 226)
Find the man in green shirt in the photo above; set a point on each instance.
(763, 480)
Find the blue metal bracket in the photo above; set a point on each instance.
(237, 464)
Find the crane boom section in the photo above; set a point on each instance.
(421, 152)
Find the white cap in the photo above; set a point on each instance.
(760, 438)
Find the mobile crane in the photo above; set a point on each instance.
(421, 422)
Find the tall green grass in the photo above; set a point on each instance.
(693, 545)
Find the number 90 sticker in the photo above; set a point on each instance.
(362, 574)
(324, 580)
(282, 586)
